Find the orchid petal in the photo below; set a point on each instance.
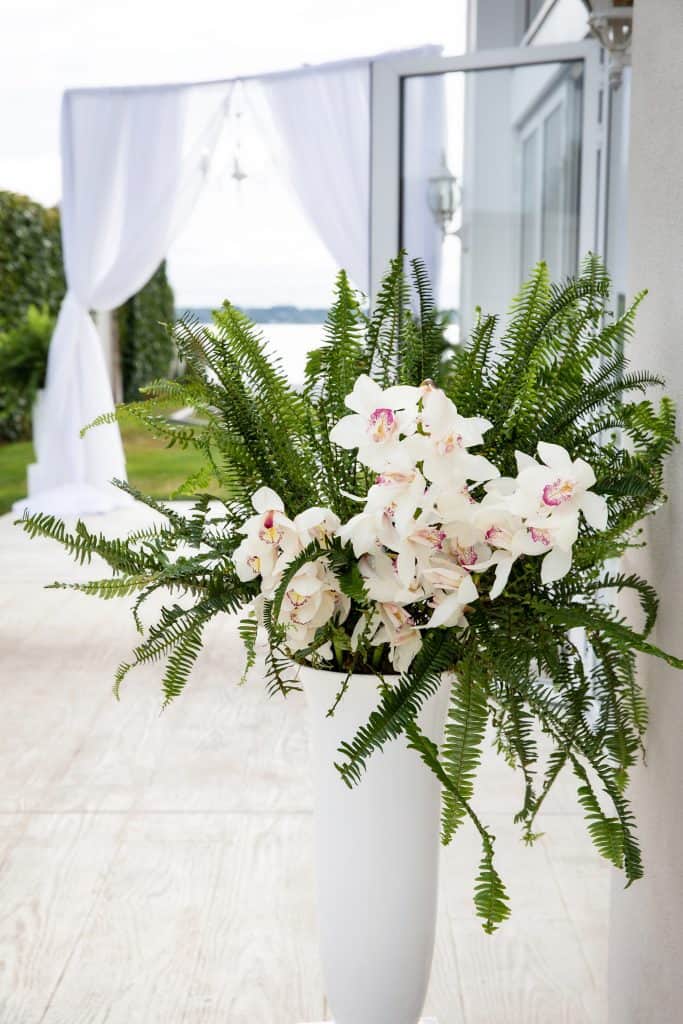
(349, 432)
(555, 456)
(364, 396)
(503, 568)
(525, 461)
(594, 508)
(555, 565)
(266, 500)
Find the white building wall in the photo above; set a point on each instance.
(646, 933)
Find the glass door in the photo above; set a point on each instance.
(485, 164)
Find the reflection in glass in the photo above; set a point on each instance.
(530, 212)
(512, 137)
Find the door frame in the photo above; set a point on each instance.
(386, 137)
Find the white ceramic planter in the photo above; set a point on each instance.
(377, 849)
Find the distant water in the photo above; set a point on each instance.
(292, 342)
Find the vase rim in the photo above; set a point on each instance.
(333, 673)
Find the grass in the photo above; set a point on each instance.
(152, 467)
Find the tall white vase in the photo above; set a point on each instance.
(377, 849)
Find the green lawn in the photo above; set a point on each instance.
(152, 467)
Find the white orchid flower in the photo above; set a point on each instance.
(453, 589)
(453, 503)
(552, 537)
(442, 448)
(401, 488)
(311, 599)
(316, 524)
(382, 581)
(393, 624)
(368, 531)
(271, 541)
(511, 537)
(503, 532)
(560, 486)
(423, 539)
(381, 418)
(466, 545)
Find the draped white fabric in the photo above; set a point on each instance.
(133, 163)
(319, 130)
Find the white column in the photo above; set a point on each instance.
(646, 929)
(105, 322)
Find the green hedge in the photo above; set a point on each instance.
(146, 348)
(31, 268)
(32, 275)
(23, 361)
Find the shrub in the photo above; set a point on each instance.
(146, 345)
(31, 268)
(32, 275)
(23, 362)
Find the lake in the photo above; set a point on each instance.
(292, 342)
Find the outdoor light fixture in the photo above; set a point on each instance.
(612, 23)
(443, 196)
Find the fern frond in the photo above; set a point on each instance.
(461, 751)
(399, 704)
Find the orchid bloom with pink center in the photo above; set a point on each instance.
(467, 545)
(316, 524)
(401, 488)
(312, 598)
(421, 539)
(452, 590)
(392, 624)
(559, 486)
(271, 541)
(552, 537)
(367, 532)
(382, 582)
(380, 421)
(443, 446)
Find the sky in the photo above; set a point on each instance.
(250, 242)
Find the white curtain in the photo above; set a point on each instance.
(319, 130)
(133, 163)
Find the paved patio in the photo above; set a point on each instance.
(158, 869)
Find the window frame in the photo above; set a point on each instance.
(559, 96)
(386, 137)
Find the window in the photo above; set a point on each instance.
(549, 140)
(511, 137)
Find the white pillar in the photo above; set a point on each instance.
(105, 321)
(646, 928)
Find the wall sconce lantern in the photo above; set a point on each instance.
(612, 23)
(443, 197)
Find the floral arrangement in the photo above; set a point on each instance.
(419, 509)
(422, 538)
